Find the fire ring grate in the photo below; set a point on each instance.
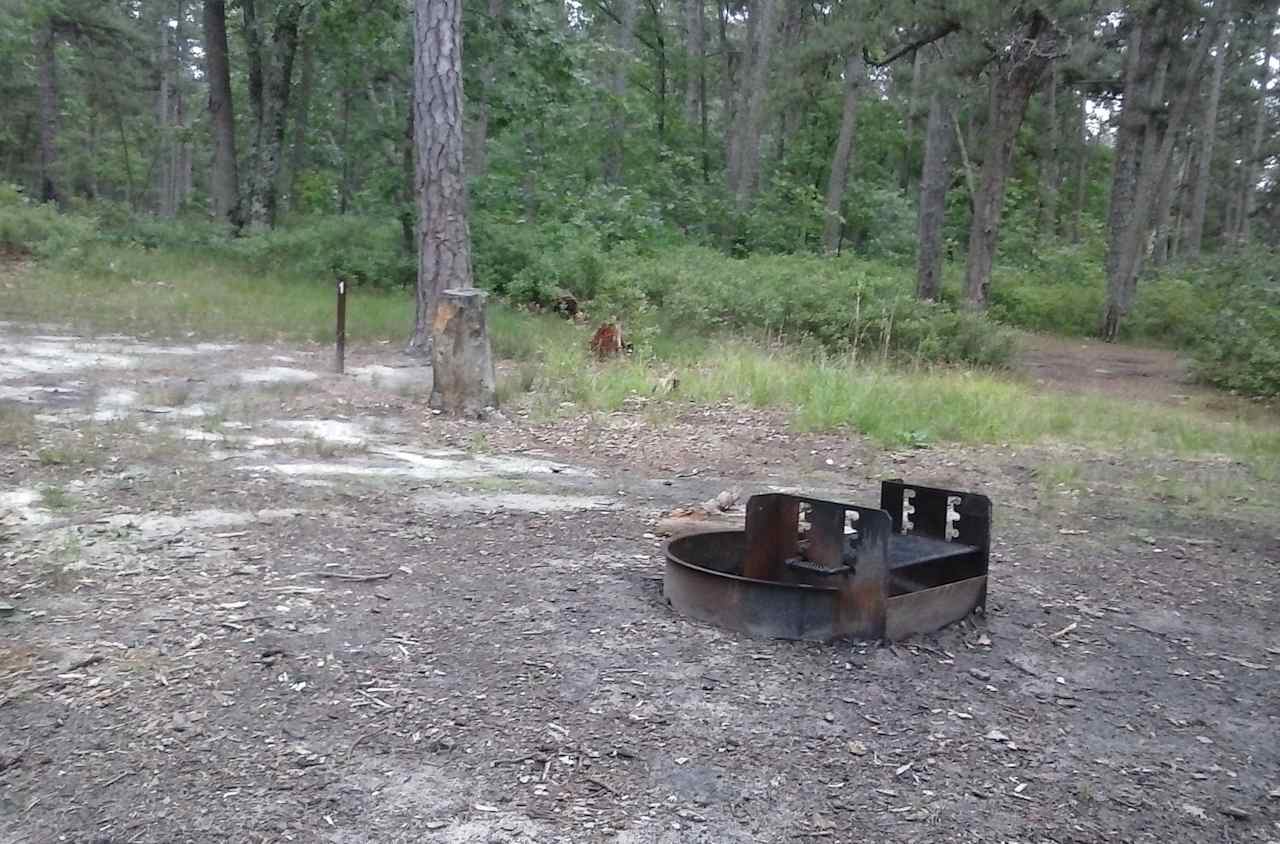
(805, 568)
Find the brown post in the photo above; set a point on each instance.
(339, 363)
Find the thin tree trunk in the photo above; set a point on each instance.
(1016, 74)
(162, 166)
(744, 169)
(345, 177)
(854, 74)
(444, 241)
(615, 149)
(909, 123)
(1204, 162)
(660, 72)
(478, 152)
(730, 92)
(935, 176)
(293, 164)
(50, 189)
(1253, 163)
(1049, 158)
(695, 49)
(1127, 243)
(1163, 211)
(224, 182)
(270, 82)
(182, 146)
(1082, 169)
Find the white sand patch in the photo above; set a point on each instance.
(435, 466)
(332, 430)
(152, 525)
(18, 506)
(392, 377)
(36, 393)
(35, 357)
(276, 375)
(196, 435)
(517, 501)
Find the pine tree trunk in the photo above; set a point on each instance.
(1204, 163)
(854, 75)
(293, 164)
(744, 167)
(1016, 74)
(1253, 163)
(1049, 157)
(182, 145)
(1083, 155)
(935, 177)
(46, 54)
(444, 241)
(224, 180)
(478, 152)
(1126, 247)
(909, 123)
(695, 49)
(270, 82)
(616, 144)
(162, 164)
(1165, 193)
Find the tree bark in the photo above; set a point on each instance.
(1253, 163)
(744, 166)
(478, 154)
(854, 74)
(1016, 73)
(1204, 163)
(616, 145)
(462, 375)
(162, 164)
(46, 53)
(1165, 194)
(224, 181)
(909, 123)
(695, 49)
(1049, 157)
(270, 81)
(1082, 169)
(935, 177)
(296, 159)
(1125, 249)
(444, 241)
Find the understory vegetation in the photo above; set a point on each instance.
(1225, 314)
(840, 342)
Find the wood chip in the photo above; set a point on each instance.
(1064, 631)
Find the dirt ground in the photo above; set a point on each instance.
(181, 658)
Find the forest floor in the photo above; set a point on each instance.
(182, 659)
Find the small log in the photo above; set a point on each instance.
(463, 378)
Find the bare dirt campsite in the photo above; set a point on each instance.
(247, 599)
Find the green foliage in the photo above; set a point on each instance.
(1059, 290)
(364, 250)
(39, 230)
(1236, 339)
(845, 304)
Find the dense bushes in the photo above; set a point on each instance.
(39, 230)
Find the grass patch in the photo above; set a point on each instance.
(55, 498)
(17, 426)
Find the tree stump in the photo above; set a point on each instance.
(463, 380)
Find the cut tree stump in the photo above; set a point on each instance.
(463, 380)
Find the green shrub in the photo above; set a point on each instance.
(365, 250)
(1060, 290)
(39, 230)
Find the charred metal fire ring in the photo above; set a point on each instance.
(805, 568)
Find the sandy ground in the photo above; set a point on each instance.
(184, 655)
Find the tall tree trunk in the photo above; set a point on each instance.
(1049, 157)
(270, 82)
(1017, 72)
(1163, 210)
(1082, 168)
(46, 54)
(1204, 158)
(935, 176)
(1126, 247)
(293, 164)
(616, 145)
(1253, 163)
(478, 152)
(182, 144)
(694, 48)
(905, 169)
(660, 71)
(162, 164)
(730, 89)
(224, 181)
(744, 167)
(444, 241)
(854, 74)
(346, 173)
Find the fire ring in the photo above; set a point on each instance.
(816, 570)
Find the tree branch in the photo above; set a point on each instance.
(938, 34)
